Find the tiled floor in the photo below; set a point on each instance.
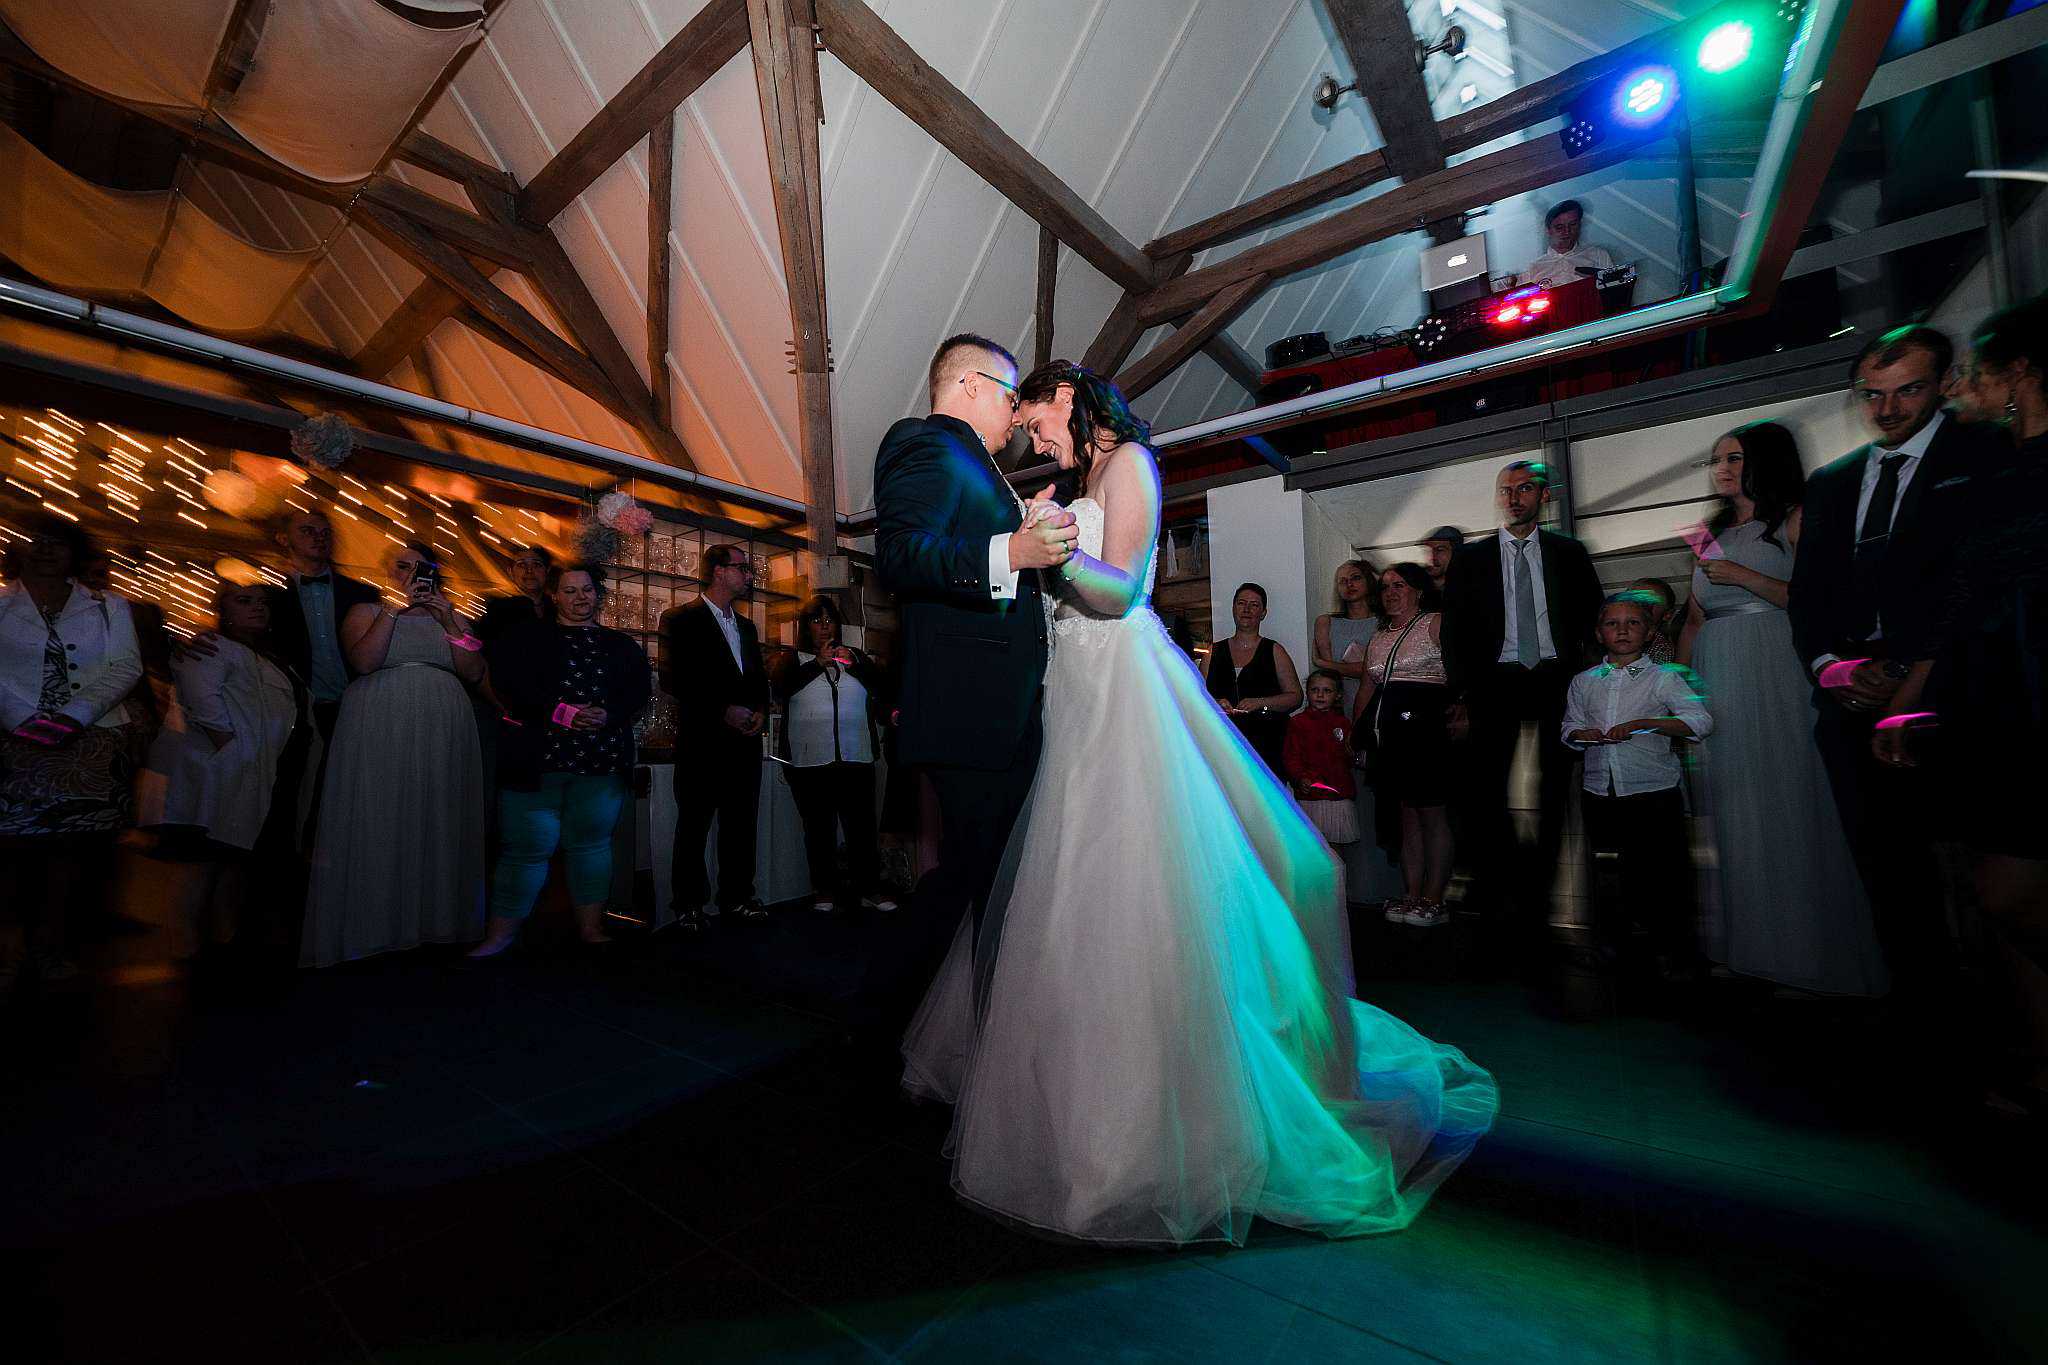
(665, 1158)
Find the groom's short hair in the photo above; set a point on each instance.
(959, 354)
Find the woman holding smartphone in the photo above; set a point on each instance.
(400, 854)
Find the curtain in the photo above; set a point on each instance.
(152, 51)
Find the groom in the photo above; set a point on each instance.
(950, 544)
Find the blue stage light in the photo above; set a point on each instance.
(1644, 96)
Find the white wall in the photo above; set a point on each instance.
(1257, 535)
(1386, 518)
(1325, 545)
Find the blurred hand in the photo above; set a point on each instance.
(204, 645)
(1727, 572)
(1458, 720)
(1623, 732)
(1859, 684)
(1586, 735)
(589, 718)
(740, 719)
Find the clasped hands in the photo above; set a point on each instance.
(1620, 734)
(1047, 538)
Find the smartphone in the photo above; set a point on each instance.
(428, 573)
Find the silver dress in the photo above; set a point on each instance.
(1786, 903)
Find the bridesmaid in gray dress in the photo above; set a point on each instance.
(1369, 875)
(399, 859)
(1788, 905)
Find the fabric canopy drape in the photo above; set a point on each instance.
(332, 84)
(150, 51)
(77, 235)
(337, 81)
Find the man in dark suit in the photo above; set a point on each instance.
(711, 664)
(504, 615)
(306, 613)
(1519, 612)
(950, 544)
(1877, 531)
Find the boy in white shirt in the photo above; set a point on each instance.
(1623, 714)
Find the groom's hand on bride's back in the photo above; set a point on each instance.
(1046, 540)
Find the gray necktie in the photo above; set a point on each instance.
(1527, 651)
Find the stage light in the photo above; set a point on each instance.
(1726, 47)
(1508, 314)
(1644, 96)
(1539, 305)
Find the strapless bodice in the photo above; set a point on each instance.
(1073, 621)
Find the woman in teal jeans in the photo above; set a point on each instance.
(571, 691)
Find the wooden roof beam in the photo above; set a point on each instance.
(784, 44)
(711, 39)
(875, 53)
(1380, 45)
(1173, 351)
(1457, 189)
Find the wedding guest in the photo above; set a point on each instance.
(213, 774)
(827, 690)
(1987, 651)
(530, 566)
(1876, 548)
(711, 664)
(307, 612)
(1519, 608)
(1341, 637)
(68, 742)
(1254, 678)
(1787, 903)
(572, 690)
(1437, 548)
(1662, 604)
(400, 854)
(1623, 713)
(1317, 761)
(1401, 722)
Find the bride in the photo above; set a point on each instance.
(1168, 1046)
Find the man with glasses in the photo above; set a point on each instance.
(711, 664)
(1877, 531)
(952, 544)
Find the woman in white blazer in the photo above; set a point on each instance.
(212, 773)
(68, 660)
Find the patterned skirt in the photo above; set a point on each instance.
(85, 786)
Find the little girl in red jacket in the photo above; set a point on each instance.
(1318, 761)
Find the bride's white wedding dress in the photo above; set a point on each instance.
(1169, 1047)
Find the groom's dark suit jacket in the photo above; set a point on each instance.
(972, 666)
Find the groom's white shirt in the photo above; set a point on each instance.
(1002, 579)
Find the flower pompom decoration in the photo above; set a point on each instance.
(324, 439)
(634, 521)
(612, 505)
(596, 542)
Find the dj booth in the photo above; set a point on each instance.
(1508, 315)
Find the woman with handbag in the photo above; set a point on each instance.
(1401, 723)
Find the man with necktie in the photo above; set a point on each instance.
(1878, 528)
(1519, 613)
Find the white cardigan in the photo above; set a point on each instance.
(99, 646)
(225, 792)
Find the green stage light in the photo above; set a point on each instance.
(1725, 47)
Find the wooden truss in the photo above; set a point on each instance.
(508, 226)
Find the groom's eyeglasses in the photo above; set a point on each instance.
(1009, 389)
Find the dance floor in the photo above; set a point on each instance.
(665, 1159)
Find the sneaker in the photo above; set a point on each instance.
(750, 910)
(882, 902)
(1426, 915)
(824, 906)
(1397, 910)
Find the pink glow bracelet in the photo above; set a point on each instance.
(465, 641)
(565, 714)
(1906, 718)
(1838, 673)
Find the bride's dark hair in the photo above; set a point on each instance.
(1101, 420)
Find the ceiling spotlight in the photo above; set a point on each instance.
(1328, 92)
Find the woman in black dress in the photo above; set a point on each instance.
(1254, 678)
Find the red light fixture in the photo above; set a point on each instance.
(1522, 305)
(1508, 314)
(1539, 305)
